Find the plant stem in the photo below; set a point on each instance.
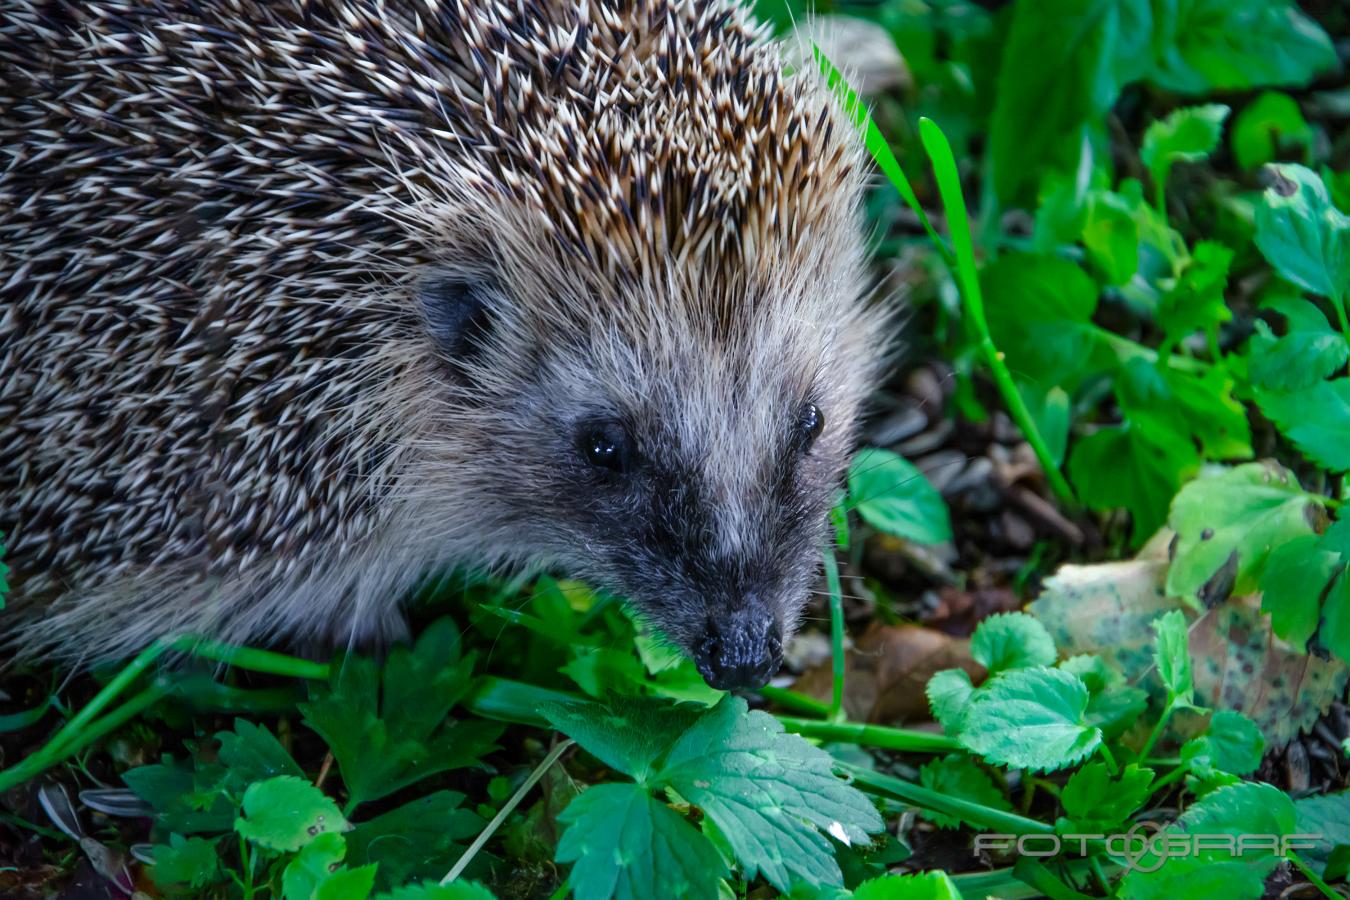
(266, 661)
(974, 813)
(505, 811)
(1313, 877)
(871, 735)
(958, 225)
(836, 635)
(1157, 730)
(795, 701)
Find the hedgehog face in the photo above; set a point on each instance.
(695, 480)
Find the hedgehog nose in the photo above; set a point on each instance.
(731, 657)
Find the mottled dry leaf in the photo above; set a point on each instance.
(885, 673)
(1238, 663)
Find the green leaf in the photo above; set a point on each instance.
(1040, 315)
(1269, 125)
(184, 800)
(1189, 134)
(1031, 719)
(1208, 45)
(456, 890)
(286, 813)
(23, 719)
(252, 754)
(1111, 235)
(420, 839)
(893, 496)
(1063, 64)
(1246, 808)
(1115, 709)
(1050, 411)
(1196, 301)
(1316, 419)
(1012, 641)
(1291, 587)
(600, 671)
(926, 886)
(1309, 351)
(1170, 402)
(193, 862)
(1334, 633)
(1135, 467)
(1172, 656)
(1194, 878)
(622, 842)
(387, 733)
(347, 884)
(1302, 234)
(1329, 817)
(1098, 803)
(957, 775)
(949, 693)
(312, 866)
(761, 788)
(631, 734)
(1227, 524)
(1231, 744)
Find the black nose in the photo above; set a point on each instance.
(737, 657)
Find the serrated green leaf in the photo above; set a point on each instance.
(1189, 134)
(1308, 352)
(183, 801)
(1230, 522)
(1030, 718)
(1247, 808)
(1208, 45)
(420, 839)
(957, 775)
(1115, 709)
(600, 671)
(1170, 402)
(1012, 641)
(1231, 744)
(761, 788)
(390, 732)
(1316, 419)
(1302, 234)
(286, 813)
(1194, 878)
(252, 753)
(1135, 467)
(893, 496)
(1269, 125)
(1292, 584)
(192, 861)
(455, 890)
(623, 842)
(925, 886)
(949, 693)
(1172, 656)
(1327, 816)
(1196, 300)
(631, 734)
(312, 866)
(1098, 803)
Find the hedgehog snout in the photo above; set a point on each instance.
(741, 650)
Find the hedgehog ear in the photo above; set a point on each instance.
(458, 314)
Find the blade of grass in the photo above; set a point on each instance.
(878, 148)
(836, 634)
(976, 814)
(958, 223)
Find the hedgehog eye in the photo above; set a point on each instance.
(606, 445)
(810, 423)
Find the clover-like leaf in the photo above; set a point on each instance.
(1012, 641)
(1030, 718)
(623, 843)
(286, 813)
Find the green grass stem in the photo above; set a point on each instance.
(901, 739)
(978, 815)
(837, 660)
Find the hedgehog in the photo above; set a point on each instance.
(304, 300)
